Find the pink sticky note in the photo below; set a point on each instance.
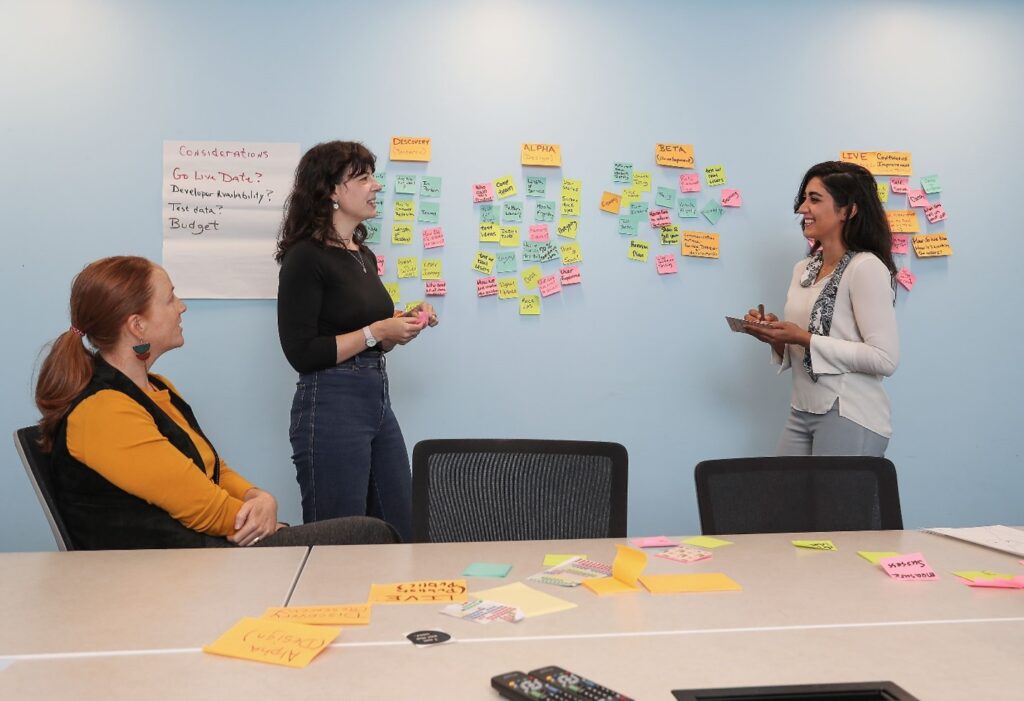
(689, 182)
(423, 316)
(435, 288)
(658, 218)
(486, 286)
(731, 198)
(666, 264)
(900, 244)
(917, 198)
(433, 237)
(549, 285)
(934, 213)
(910, 567)
(906, 278)
(656, 541)
(899, 185)
(569, 275)
(1015, 583)
(380, 265)
(539, 232)
(483, 192)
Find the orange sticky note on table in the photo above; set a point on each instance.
(549, 155)
(273, 642)
(419, 592)
(610, 202)
(626, 568)
(687, 583)
(339, 615)
(410, 148)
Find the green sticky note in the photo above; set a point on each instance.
(505, 261)
(815, 544)
(931, 184)
(372, 231)
(512, 212)
(712, 212)
(380, 207)
(536, 185)
(629, 225)
(706, 541)
(545, 211)
(488, 214)
(428, 212)
(622, 173)
(875, 556)
(552, 559)
(430, 186)
(639, 209)
(382, 178)
(666, 197)
(486, 569)
(405, 184)
(687, 207)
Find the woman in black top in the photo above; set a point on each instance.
(336, 321)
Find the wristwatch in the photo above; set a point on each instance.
(370, 340)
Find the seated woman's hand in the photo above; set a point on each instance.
(257, 518)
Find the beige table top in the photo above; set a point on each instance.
(134, 600)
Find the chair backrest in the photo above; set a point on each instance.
(796, 494)
(514, 489)
(37, 467)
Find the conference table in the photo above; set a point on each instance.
(803, 616)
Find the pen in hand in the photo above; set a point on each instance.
(760, 311)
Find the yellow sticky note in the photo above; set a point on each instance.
(401, 233)
(508, 237)
(629, 196)
(706, 541)
(875, 556)
(608, 585)
(505, 187)
(484, 262)
(338, 615)
(883, 192)
(410, 148)
(571, 187)
(570, 206)
(529, 305)
(881, 162)
(638, 250)
(674, 155)
(530, 601)
(686, 583)
(610, 202)
(973, 575)
(409, 306)
(393, 291)
(902, 221)
(530, 276)
(508, 288)
(552, 559)
(541, 155)
(700, 244)
(670, 235)
(815, 544)
(489, 232)
(715, 176)
(629, 563)
(274, 642)
(571, 253)
(642, 180)
(931, 245)
(431, 269)
(405, 210)
(567, 228)
(408, 267)
(430, 591)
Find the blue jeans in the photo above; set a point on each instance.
(349, 453)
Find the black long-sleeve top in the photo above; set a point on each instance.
(322, 292)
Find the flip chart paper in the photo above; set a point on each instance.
(338, 615)
(410, 148)
(428, 591)
(274, 642)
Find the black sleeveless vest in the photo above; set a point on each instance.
(102, 516)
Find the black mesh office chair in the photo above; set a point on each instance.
(37, 467)
(796, 494)
(512, 489)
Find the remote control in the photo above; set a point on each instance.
(523, 687)
(582, 687)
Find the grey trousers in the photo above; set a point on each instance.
(348, 530)
(828, 434)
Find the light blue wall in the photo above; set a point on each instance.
(91, 89)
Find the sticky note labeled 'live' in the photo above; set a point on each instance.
(419, 592)
(688, 583)
(274, 642)
(910, 567)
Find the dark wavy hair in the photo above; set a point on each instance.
(849, 184)
(307, 211)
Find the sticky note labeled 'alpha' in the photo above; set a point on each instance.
(548, 155)
(274, 642)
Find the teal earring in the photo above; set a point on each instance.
(141, 351)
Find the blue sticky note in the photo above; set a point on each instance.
(512, 212)
(629, 224)
(380, 207)
(622, 173)
(712, 212)
(405, 184)
(545, 211)
(931, 184)
(687, 207)
(486, 569)
(430, 186)
(536, 185)
(382, 178)
(372, 231)
(505, 262)
(428, 212)
(489, 214)
(666, 197)
(638, 209)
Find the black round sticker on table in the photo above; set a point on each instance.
(428, 637)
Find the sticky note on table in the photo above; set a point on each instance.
(910, 567)
(486, 569)
(274, 642)
(685, 553)
(552, 559)
(972, 575)
(531, 601)
(429, 591)
(875, 556)
(689, 583)
(338, 615)
(656, 541)
(815, 544)
(706, 541)
(1014, 583)
(629, 563)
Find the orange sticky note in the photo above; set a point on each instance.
(273, 642)
(686, 583)
(626, 568)
(700, 244)
(674, 155)
(610, 202)
(549, 155)
(902, 221)
(410, 148)
(881, 162)
(340, 615)
(420, 592)
(930, 245)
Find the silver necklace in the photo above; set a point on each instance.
(357, 256)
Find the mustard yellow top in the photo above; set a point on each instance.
(115, 436)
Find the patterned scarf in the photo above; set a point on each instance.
(825, 305)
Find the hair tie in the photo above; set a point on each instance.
(75, 330)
